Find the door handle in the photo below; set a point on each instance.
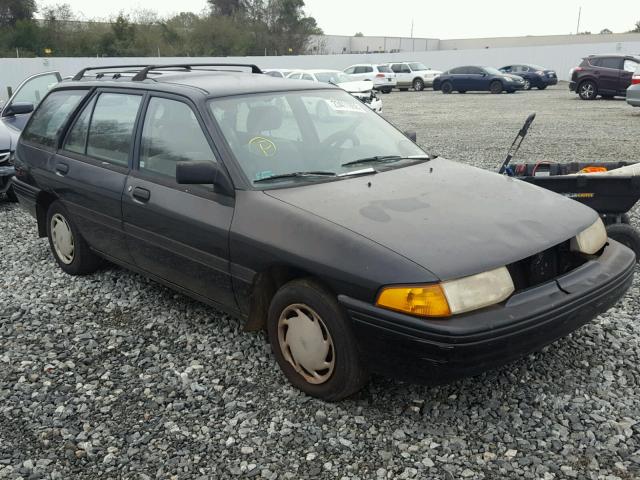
(62, 169)
(141, 194)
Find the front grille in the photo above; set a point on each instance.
(544, 266)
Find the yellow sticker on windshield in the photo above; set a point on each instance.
(263, 146)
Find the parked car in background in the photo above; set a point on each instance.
(413, 75)
(13, 118)
(362, 90)
(382, 77)
(477, 79)
(354, 249)
(277, 72)
(633, 92)
(605, 75)
(534, 76)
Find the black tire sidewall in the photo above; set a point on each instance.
(349, 374)
(626, 235)
(447, 87)
(595, 90)
(11, 195)
(84, 260)
(496, 91)
(418, 85)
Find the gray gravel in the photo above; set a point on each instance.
(113, 376)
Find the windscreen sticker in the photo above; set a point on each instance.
(263, 146)
(264, 174)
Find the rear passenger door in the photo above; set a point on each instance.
(179, 233)
(91, 168)
(607, 72)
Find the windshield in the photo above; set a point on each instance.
(493, 71)
(313, 130)
(332, 77)
(418, 66)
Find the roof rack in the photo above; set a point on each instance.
(142, 74)
(80, 74)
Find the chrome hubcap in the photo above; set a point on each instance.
(62, 238)
(306, 344)
(587, 90)
(527, 84)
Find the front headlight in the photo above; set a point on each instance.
(508, 79)
(591, 239)
(451, 297)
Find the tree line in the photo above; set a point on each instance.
(225, 28)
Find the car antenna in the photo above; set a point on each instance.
(515, 146)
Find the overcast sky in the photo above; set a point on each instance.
(449, 19)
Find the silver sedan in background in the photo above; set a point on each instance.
(633, 92)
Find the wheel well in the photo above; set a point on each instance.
(417, 78)
(264, 288)
(42, 206)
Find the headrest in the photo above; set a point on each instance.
(264, 118)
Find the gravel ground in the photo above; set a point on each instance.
(113, 376)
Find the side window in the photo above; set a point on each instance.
(171, 134)
(630, 66)
(350, 70)
(611, 62)
(76, 140)
(396, 67)
(359, 70)
(596, 62)
(405, 68)
(368, 69)
(111, 129)
(296, 76)
(454, 71)
(474, 71)
(306, 76)
(51, 116)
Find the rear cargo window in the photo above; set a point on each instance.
(51, 116)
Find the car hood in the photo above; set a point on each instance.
(358, 86)
(517, 78)
(9, 133)
(452, 219)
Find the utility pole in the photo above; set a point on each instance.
(579, 15)
(412, 28)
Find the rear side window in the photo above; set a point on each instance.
(609, 62)
(111, 129)
(49, 119)
(384, 69)
(456, 71)
(171, 134)
(76, 140)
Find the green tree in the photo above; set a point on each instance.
(13, 11)
(637, 28)
(228, 8)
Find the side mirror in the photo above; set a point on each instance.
(204, 172)
(411, 135)
(18, 108)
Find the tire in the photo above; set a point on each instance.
(404, 89)
(386, 90)
(11, 195)
(527, 84)
(462, 91)
(304, 300)
(588, 90)
(71, 251)
(542, 87)
(496, 87)
(446, 88)
(511, 91)
(626, 235)
(607, 97)
(418, 84)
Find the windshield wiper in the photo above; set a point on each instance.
(386, 158)
(296, 175)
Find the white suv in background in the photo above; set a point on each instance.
(413, 75)
(381, 75)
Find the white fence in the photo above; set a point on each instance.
(558, 57)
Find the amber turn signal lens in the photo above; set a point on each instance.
(423, 301)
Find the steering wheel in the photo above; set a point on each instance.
(338, 138)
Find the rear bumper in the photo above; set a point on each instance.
(572, 86)
(386, 84)
(6, 174)
(438, 351)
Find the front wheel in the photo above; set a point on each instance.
(312, 340)
(626, 235)
(418, 84)
(527, 84)
(588, 90)
(71, 251)
(495, 87)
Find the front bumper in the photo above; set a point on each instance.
(6, 174)
(438, 351)
(514, 86)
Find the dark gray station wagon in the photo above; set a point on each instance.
(353, 248)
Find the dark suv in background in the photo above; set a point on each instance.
(605, 75)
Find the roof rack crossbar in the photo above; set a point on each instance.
(80, 74)
(142, 74)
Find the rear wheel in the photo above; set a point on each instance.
(386, 90)
(69, 249)
(312, 340)
(495, 87)
(626, 235)
(418, 84)
(527, 84)
(542, 87)
(588, 90)
(446, 88)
